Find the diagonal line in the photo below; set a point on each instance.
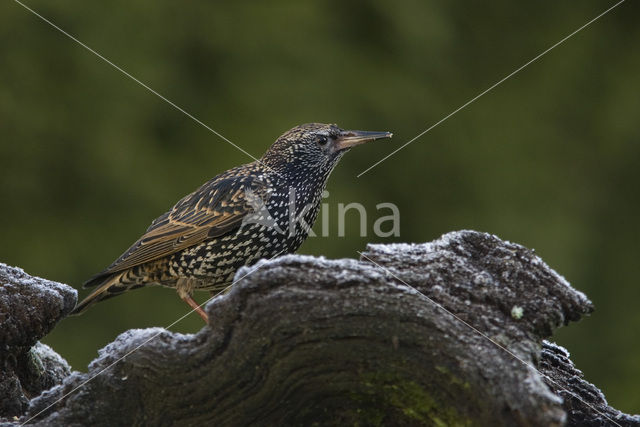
(522, 67)
(182, 110)
(501, 347)
(82, 384)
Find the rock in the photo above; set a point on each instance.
(443, 333)
(584, 403)
(29, 309)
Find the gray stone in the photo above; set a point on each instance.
(443, 333)
(30, 307)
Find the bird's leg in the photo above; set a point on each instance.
(187, 298)
(185, 286)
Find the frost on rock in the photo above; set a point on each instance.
(582, 399)
(51, 364)
(29, 309)
(399, 337)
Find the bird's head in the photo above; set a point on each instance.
(314, 148)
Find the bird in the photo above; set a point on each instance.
(261, 209)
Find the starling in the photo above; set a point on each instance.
(258, 210)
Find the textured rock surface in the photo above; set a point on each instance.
(584, 403)
(29, 309)
(444, 333)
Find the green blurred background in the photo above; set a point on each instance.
(549, 159)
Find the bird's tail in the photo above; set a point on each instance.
(109, 286)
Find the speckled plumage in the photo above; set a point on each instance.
(234, 219)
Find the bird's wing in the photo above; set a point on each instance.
(215, 209)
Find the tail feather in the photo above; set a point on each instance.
(97, 279)
(109, 286)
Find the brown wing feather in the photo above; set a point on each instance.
(213, 210)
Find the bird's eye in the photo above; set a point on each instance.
(322, 140)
